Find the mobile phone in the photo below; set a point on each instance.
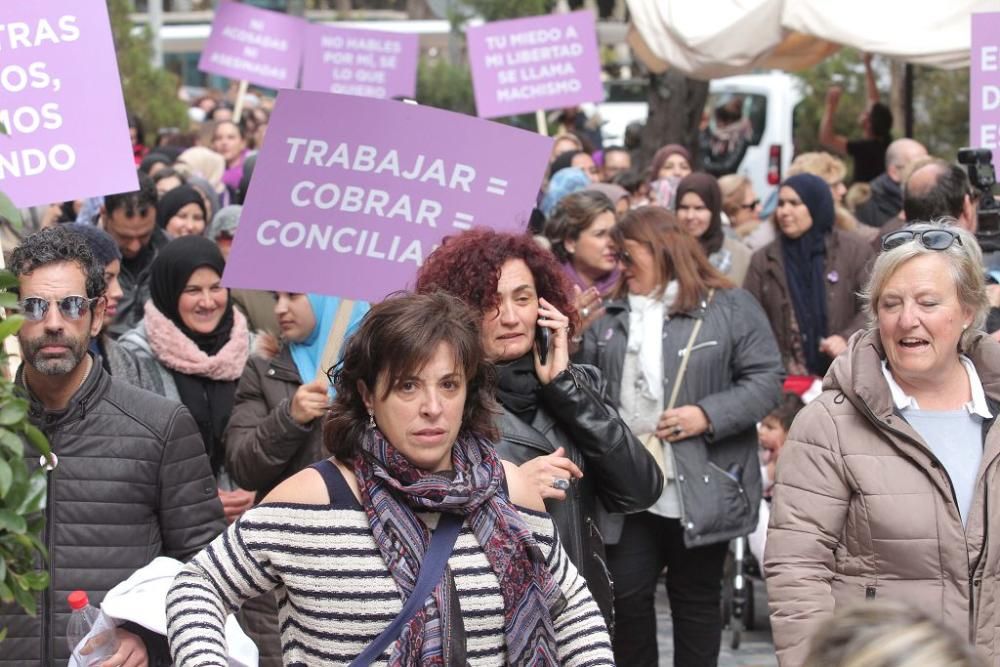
(542, 342)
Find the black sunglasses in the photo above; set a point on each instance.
(932, 239)
(34, 308)
(751, 206)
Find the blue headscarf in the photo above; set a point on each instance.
(308, 354)
(564, 182)
(805, 262)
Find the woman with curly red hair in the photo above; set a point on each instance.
(556, 425)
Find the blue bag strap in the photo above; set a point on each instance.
(431, 569)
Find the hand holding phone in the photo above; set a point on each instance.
(542, 337)
(551, 342)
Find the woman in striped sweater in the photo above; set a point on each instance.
(342, 542)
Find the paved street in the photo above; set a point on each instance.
(756, 649)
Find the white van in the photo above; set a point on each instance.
(767, 104)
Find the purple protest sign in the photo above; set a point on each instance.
(352, 207)
(254, 44)
(528, 64)
(984, 84)
(369, 63)
(62, 104)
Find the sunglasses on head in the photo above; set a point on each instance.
(932, 239)
(35, 308)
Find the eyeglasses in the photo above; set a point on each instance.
(932, 239)
(751, 206)
(34, 308)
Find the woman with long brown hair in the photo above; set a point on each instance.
(692, 365)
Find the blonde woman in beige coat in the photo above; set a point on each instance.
(886, 483)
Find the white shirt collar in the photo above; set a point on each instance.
(977, 406)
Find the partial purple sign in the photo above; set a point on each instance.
(528, 64)
(262, 47)
(62, 104)
(352, 207)
(369, 63)
(984, 84)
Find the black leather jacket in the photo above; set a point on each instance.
(618, 472)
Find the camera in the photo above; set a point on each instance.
(982, 176)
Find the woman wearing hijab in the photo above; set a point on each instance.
(669, 165)
(192, 345)
(181, 212)
(275, 428)
(206, 169)
(809, 278)
(698, 206)
(564, 182)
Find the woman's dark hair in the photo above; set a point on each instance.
(572, 216)
(239, 128)
(394, 340)
(140, 131)
(786, 410)
(168, 172)
(222, 106)
(631, 180)
(468, 266)
(677, 254)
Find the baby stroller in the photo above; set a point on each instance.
(737, 590)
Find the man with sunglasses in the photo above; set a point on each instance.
(128, 480)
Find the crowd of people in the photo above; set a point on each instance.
(498, 466)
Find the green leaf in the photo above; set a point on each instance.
(3, 634)
(34, 501)
(37, 439)
(13, 412)
(8, 299)
(3, 569)
(6, 479)
(11, 325)
(37, 580)
(19, 489)
(12, 522)
(11, 442)
(8, 280)
(36, 542)
(9, 212)
(6, 595)
(26, 600)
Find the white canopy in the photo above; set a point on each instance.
(715, 38)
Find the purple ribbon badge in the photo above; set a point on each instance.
(833, 277)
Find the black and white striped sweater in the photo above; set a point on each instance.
(335, 595)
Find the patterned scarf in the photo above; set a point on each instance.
(393, 489)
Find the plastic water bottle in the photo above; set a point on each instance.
(90, 634)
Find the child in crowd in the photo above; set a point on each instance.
(771, 433)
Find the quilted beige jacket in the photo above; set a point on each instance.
(862, 509)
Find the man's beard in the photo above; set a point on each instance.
(76, 350)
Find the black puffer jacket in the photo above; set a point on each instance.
(131, 483)
(617, 469)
